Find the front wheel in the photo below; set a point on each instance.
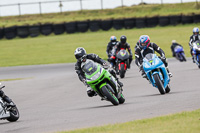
(198, 59)
(159, 84)
(122, 71)
(14, 114)
(183, 55)
(106, 90)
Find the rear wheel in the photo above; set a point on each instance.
(122, 71)
(109, 93)
(121, 99)
(14, 114)
(159, 84)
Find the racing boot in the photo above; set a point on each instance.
(170, 74)
(114, 75)
(91, 92)
(193, 59)
(120, 83)
(143, 74)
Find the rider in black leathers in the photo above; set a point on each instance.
(123, 45)
(194, 38)
(110, 48)
(81, 56)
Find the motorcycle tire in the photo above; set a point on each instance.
(159, 84)
(14, 114)
(121, 99)
(122, 71)
(199, 61)
(109, 94)
(183, 55)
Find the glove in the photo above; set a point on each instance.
(131, 56)
(162, 58)
(84, 82)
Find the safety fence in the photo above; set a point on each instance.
(73, 5)
(95, 25)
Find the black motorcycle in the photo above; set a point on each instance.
(122, 62)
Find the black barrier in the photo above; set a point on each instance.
(1, 33)
(34, 30)
(58, 29)
(46, 29)
(140, 22)
(187, 19)
(70, 27)
(152, 21)
(22, 31)
(10, 32)
(196, 18)
(82, 26)
(129, 23)
(163, 20)
(94, 25)
(175, 19)
(106, 24)
(118, 24)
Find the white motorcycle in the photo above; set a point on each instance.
(8, 111)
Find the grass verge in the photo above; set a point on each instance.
(185, 122)
(60, 49)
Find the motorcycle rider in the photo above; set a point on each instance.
(123, 45)
(145, 47)
(4, 97)
(81, 56)
(194, 38)
(110, 46)
(174, 44)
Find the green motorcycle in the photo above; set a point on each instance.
(102, 82)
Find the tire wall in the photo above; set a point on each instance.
(95, 25)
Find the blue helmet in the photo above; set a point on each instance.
(113, 39)
(144, 41)
(196, 30)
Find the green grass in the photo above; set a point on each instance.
(185, 122)
(60, 49)
(125, 12)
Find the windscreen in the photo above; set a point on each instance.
(197, 43)
(149, 56)
(89, 67)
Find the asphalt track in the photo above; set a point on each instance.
(51, 98)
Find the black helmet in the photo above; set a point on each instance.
(123, 39)
(79, 52)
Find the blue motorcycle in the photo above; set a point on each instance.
(196, 52)
(179, 53)
(156, 73)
